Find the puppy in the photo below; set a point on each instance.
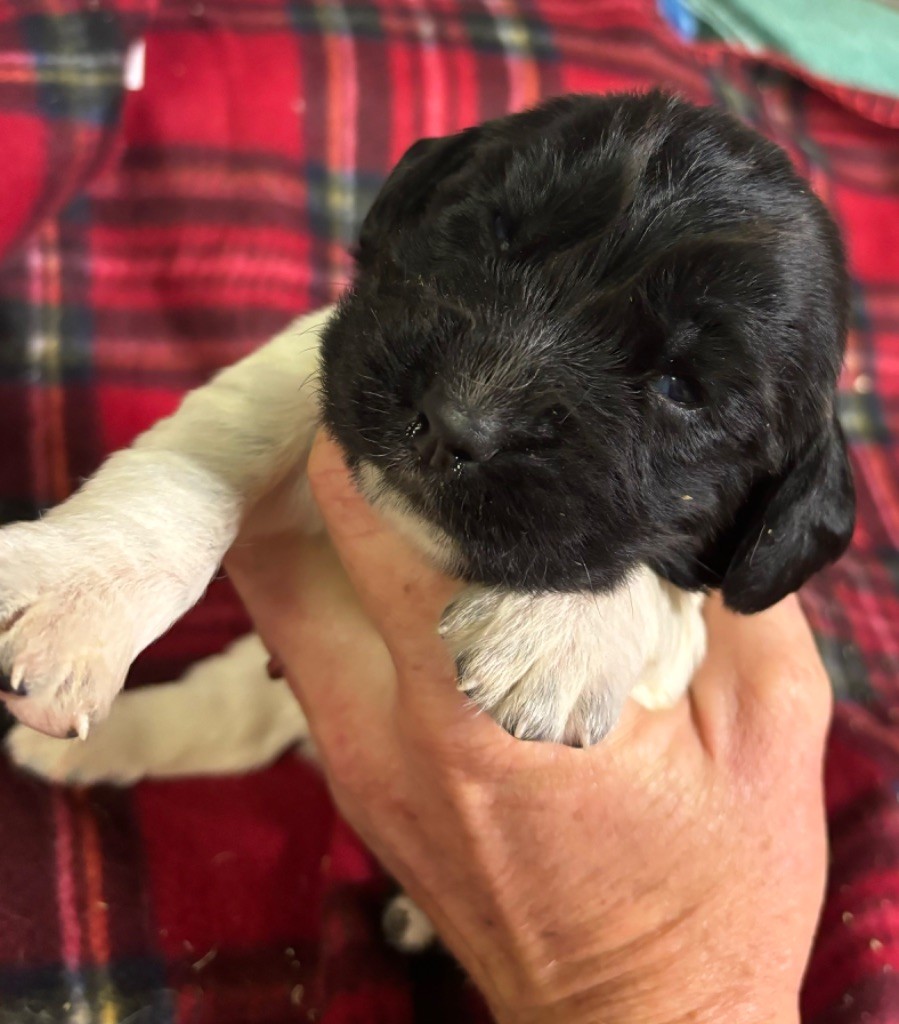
(587, 363)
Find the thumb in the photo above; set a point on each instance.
(402, 595)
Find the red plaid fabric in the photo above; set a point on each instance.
(147, 238)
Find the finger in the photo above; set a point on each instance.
(643, 739)
(761, 669)
(403, 596)
(310, 619)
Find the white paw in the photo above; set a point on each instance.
(406, 926)
(531, 663)
(225, 716)
(558, 667)
(66, 641)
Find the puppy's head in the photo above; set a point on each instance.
(601, 334)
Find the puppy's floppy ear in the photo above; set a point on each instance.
(794, 525)
(408, 188)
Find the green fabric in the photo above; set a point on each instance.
(851, 41)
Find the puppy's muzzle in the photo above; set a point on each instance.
(447, 433)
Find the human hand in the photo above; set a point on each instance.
(672, 873)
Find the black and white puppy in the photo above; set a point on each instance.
(587, 363)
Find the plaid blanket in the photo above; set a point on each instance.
(148, 237)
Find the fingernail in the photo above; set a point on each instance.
(82, 727)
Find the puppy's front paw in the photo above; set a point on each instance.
(65, 637)
(558, 667)
(533, 663)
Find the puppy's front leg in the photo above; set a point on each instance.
(85, 589)
(558, 666)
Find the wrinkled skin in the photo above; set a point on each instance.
(672, 873)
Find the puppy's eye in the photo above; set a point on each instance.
(679, 390)
(501, 232)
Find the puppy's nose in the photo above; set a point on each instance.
(448, 433)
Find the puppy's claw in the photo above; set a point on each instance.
(80, 729)
(17, 681)
(14, 683)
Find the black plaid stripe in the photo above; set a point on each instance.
(78, 64)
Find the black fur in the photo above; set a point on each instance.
(551, 271)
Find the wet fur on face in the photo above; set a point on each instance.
(643, 306)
